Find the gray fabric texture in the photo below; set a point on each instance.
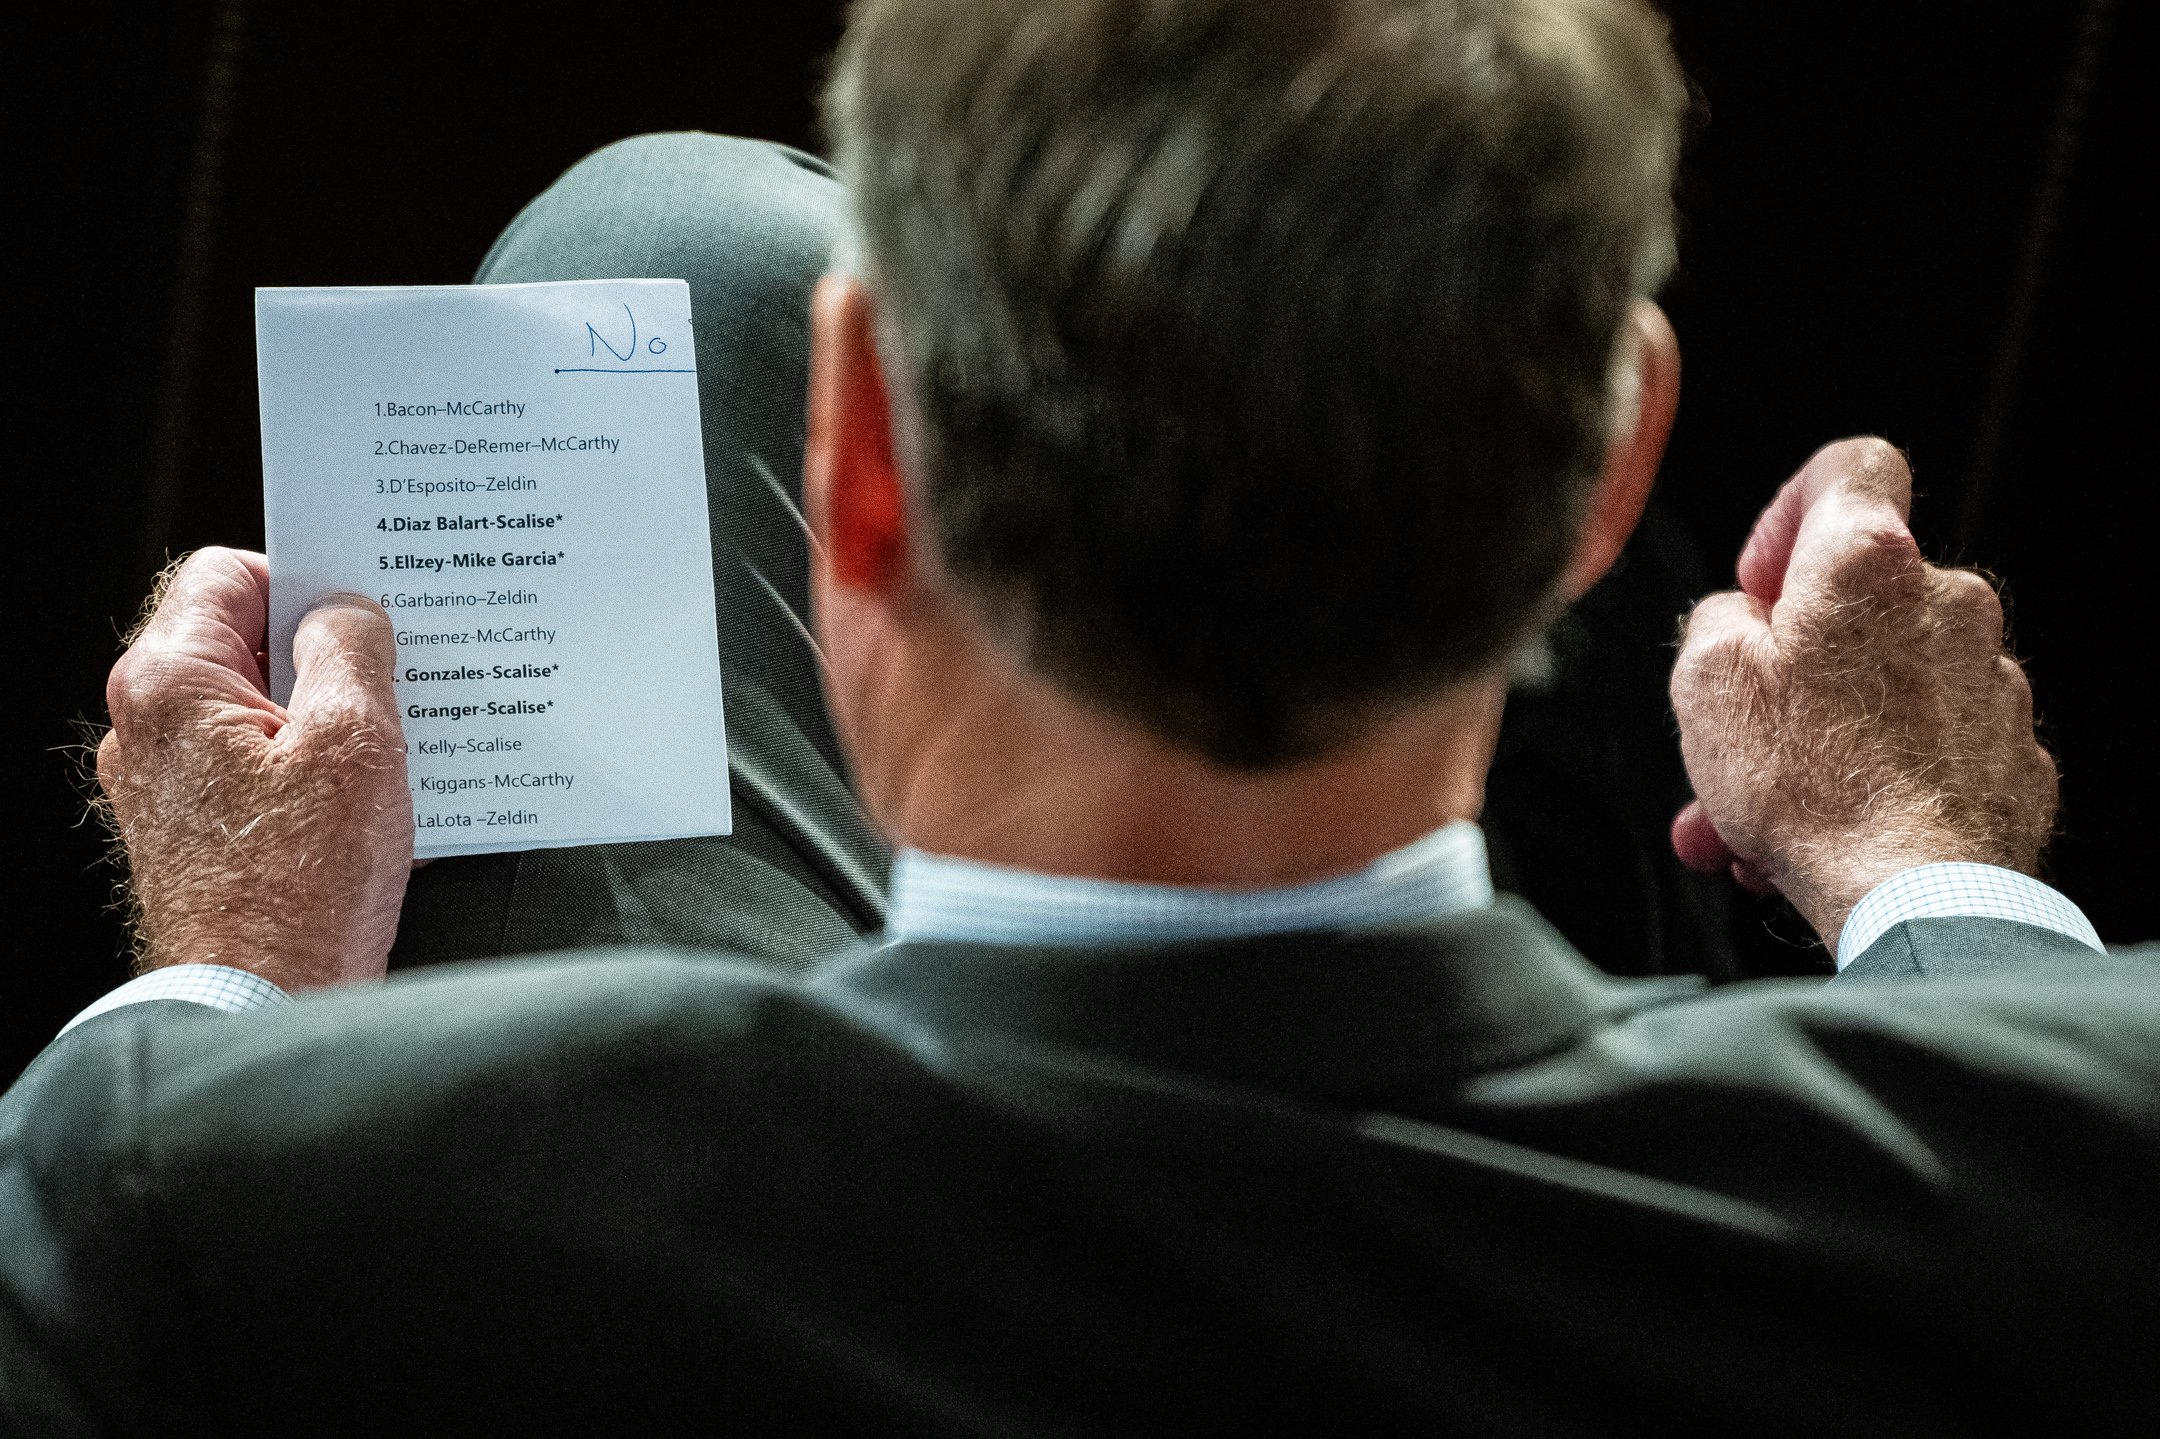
(1964, 948)
(749, 226)
(1442, 1179)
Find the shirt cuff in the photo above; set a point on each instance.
(1960, 891)
(220, 986)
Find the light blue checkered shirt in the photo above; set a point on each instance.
(1960, 891)
(936, 897)
(218, 985)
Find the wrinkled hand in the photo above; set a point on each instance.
(269, 838)
(1851, 712)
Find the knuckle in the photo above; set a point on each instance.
(2043, 769)
(108, 762)
(210, 566)
(1714, 665)
(120, 684)
(1872, 454)
(192, 567)
(140, 693)
(1721, 612)
(2018, 698)
(1696, 623)
(2036, 787)
(1970, 600)
(1870, 464)
(1889, 548)
(168, 588)
(1715, 651)
(1967, 587)
(1878, 562)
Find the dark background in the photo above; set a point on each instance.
(1921, 220)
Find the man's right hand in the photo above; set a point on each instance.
(1851, 711)
(272, 838)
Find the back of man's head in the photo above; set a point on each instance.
(1254, 358)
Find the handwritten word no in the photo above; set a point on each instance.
(595, 342)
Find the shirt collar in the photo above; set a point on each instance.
(937, 897)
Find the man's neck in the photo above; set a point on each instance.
(981, 760)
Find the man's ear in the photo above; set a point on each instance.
(851, 480)
(1638, 445)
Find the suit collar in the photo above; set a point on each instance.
(1359, 1017)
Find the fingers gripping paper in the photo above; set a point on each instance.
(515, 472)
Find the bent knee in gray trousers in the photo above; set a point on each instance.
(749, 226)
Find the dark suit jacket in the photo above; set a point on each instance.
(1434, 1180)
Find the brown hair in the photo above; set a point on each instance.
(1259, 351)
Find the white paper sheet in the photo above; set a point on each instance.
(516, 473)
